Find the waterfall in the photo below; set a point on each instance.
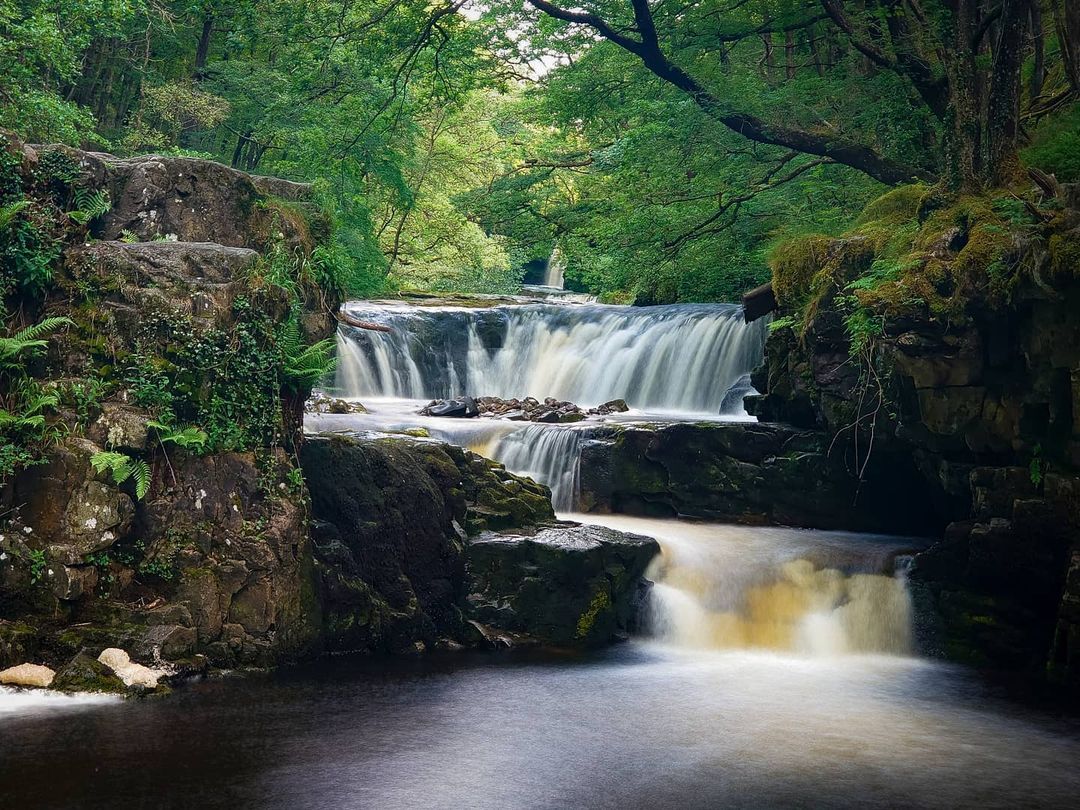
(547, 454)
(814, 593)
(684, 357)
(554, 269)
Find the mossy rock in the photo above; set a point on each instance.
(84, 673)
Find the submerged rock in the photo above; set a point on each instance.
(34, 675)
(567, 585)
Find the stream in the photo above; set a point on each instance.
(776, 667)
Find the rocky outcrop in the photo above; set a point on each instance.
(747, 472)
(565, 585)
(967, 369)
(391, 519)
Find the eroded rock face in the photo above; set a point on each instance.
(565, 585)
(986, 408)
(392, 516)
(747, 472)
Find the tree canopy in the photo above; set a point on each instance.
(663, 145)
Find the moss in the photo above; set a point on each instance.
(901, 204)
(601, 603)
(1065, 255)
(794, 264)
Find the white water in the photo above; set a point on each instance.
(682, 358)
(814, 593)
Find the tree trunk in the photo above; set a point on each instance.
(203, 49)
(963, 127)
(1067, 22)
(1003, 110)
(789, 55)
(1038, 68)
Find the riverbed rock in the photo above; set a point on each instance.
(84, 673)
(34, 675)
(572, 585)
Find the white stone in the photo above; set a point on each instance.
(28, 675)
(131, 673)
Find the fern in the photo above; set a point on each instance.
(9, 212)
(122, 467)
(32, 337)
(90, 205)
(190, 438)
(303, 366)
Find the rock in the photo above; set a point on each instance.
(120, 427)
(131, 673)
(388, 536)
(566, 586)
(28, 675)
(73, 512)
(464, 408)
(612, 406)
(83, 673)
(70, 583)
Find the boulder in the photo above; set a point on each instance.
(28, 675)
(83, 673)
(391, 516)
(569, 585)
(71, 509)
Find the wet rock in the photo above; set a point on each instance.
(84, 673)
(391, 517)
(34, 675)
(566, 585)
(464, 408)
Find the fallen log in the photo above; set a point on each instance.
(759, 301)
(348, 320)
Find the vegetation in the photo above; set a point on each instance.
(665, 148)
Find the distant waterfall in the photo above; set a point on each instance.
(553, 270)
(683, 357)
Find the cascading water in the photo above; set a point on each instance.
(553, 270)
(812, 593)
(682, 358)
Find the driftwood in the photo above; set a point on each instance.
(759, 301)
(348, 320)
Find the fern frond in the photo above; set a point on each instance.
(9, 212)
(140, 470)
(90, 205)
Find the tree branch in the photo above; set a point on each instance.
(840, 150)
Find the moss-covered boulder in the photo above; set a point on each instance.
(566, 586)
(392, 517)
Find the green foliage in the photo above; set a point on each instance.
(122, 467)
(1037, 466)
(38, 564)
(89, 205)
(303, 366)
(14, 348)
(1056, 146)
(189, 438)
(25, 404)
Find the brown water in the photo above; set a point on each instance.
(807, 702)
